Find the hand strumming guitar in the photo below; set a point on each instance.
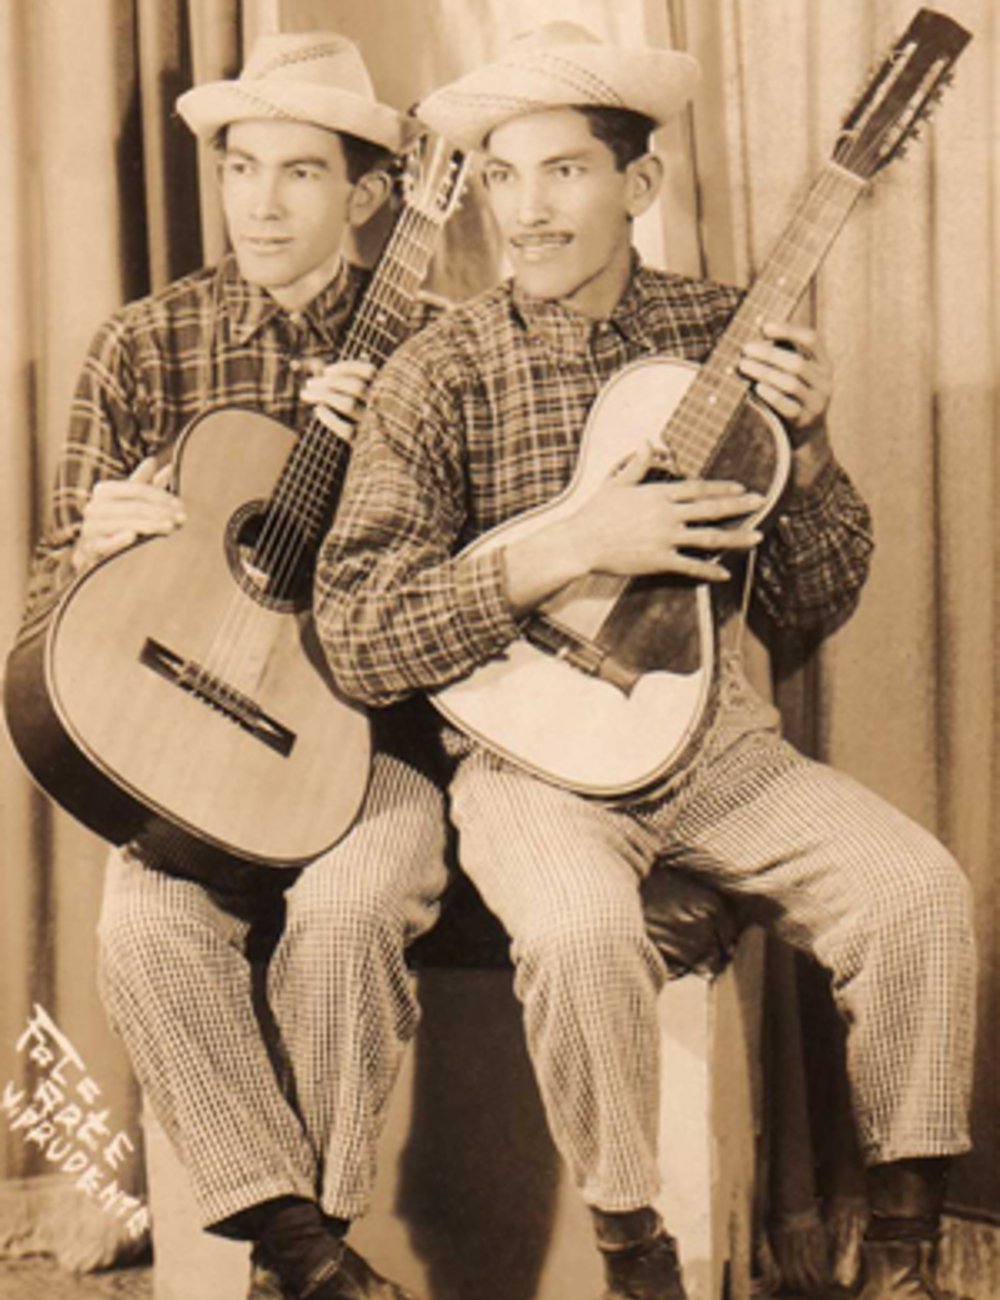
(121, 510)
(631, 528)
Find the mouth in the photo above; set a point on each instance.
(536, 247)
(265, 243)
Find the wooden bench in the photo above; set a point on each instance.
(472, 1200)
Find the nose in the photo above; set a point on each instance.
(266, 198)
(533, 207)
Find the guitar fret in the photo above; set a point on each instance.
(319, 460)
(703, 416)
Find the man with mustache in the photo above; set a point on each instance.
(478, 420)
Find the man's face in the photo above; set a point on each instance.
(285, 194)
(563, 208)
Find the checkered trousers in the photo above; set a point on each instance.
(176, 982)
(874, 897)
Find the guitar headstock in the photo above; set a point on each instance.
(432, 177)
(901, 94)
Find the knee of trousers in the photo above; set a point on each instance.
(143, 947)
(603, 951)
(916, 915)
(344, 918)
(928, 894)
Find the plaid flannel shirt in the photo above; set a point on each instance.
(208, 340)
(478, 419)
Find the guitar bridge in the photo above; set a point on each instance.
(579, 653)
(218, 695)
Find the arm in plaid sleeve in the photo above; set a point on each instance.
(396, 611)
(102, 443)
(812, 565)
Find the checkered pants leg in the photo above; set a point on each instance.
(339, 985)
(176, 983)
(562, 876)
(880, 903)
(874, 897)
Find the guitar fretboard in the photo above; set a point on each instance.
(700, 422)
(306, 490)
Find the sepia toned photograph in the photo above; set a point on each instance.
(499, 612)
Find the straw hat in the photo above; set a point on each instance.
(560, 65)
(314, 77)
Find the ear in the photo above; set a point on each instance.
(644, 177)
(367, 196)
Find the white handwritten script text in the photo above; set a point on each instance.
(57, 1113)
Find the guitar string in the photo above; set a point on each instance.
(692, 420)
(372, 336)
(276, 552)
(372, 331)
(791, 242)
(279, 552)
(695, 430)
(322, 449)
(290, 537)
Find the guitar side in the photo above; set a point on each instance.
(148, 718)
(579, 729)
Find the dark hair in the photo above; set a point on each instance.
(624, 131)
(360, 156)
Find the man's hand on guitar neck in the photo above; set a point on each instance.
(121, 510)
(793, 374)
(631, 528)
(339, 392)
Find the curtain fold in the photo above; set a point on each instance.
(904, 697)
(99, 206)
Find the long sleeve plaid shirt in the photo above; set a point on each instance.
(478, 419)
(207, 341)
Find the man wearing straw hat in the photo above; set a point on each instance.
(477, 420)
(301, 139)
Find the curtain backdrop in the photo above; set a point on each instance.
(101, 202)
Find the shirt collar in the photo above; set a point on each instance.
(248, 308)
(569, 332)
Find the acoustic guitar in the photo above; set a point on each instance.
(177, 696)
(611, 680)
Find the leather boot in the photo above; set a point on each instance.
(350, 1278)
(906, 1200)
(640, 1257)
(897, 1269)
(309, 1259)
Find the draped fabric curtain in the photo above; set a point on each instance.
(101, 202)
(99, 206)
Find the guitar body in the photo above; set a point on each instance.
(170, 700)
(178, 696)
(613, 733)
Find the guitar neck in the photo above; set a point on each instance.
(383, 318)
(312, 477)
(700, 423)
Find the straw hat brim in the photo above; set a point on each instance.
(215, 104)
(656, 83)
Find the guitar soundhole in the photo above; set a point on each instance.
(270, 557)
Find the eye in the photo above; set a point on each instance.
(303, 173)
(236, 166)
(494, 175)
(567, 171)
